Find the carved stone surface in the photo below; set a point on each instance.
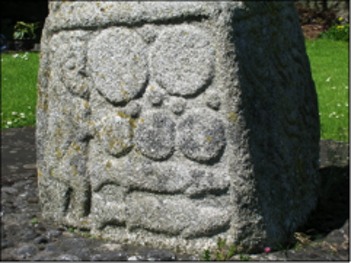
(119, 71)
(201, 135)
(171, 124)
(182, 60)
(155, 136)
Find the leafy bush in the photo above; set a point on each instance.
(339, 32)
(24, 30)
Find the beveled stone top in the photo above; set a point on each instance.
(93, 14)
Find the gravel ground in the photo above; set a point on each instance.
(26, 236)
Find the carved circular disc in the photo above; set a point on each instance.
(201, 136)
(155, 135)
(116, 135)
(118, 64)
(182, 60)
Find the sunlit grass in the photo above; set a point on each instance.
(18, 89)
(329, 63)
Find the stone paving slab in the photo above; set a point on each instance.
(18, 153)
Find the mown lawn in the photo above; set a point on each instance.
(18, 89)
(328, 58)
(330, 67)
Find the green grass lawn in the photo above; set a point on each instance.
(330, 67)
(329, 62)
(18, 89)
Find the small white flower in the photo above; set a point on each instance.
(22, 115)
(14, 113)
(339, 105)
(332, 114)
(9, 122)
(346, 104)
(328, 79)
(15, 55)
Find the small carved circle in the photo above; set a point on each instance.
(201, 136)
(182, 60)
(133, 109)
(155, 135)
(148, 33)
(118, 64)
(116, 135)
(156, 98)
(213, 101)
(177, 105)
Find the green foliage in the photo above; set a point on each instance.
(71, 229)
(337, 32)
(223, 252)
(85, 234)
(24, 30)
(245, 257)
(82, 232)
(207, 255)
(34, 221)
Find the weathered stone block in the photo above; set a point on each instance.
(172, 124)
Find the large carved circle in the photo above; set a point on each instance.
(118, 64)
(116, 135)
(182, 60)
(155, 135)
(201, 136)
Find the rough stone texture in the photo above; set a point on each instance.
(172, 124)
(22, 226)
